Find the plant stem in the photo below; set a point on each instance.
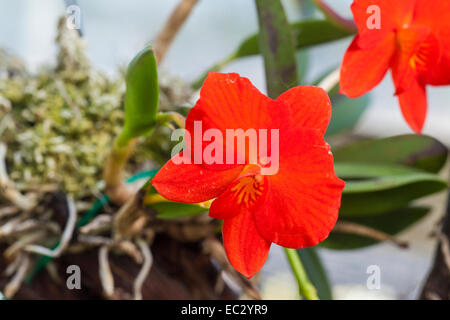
(306, 288)
(165, 117)
(276, 43)
(113, 175)
(116, 189)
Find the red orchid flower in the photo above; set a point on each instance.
(295, 207)
(412, 39)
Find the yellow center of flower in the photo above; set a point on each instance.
(420, 59)
(248, 189)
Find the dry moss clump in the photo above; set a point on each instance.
(60, 123)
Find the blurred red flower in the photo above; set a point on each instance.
(296, 207)
(412, 40)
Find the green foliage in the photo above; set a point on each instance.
(383, 177)
(172, 210)
(277, 46)
(59, 123)
(391, 222)
(305, 34)
(165, 209)
(346, 113)
(316, 272)
(141, 97)
(411, 150)
(374, 188)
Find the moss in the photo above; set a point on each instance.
(60, 123)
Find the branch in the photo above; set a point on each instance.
(171, 28)
(361, 230)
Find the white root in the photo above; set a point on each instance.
(9, 227)
(97, 225)
(8, 211)
(95, 240)
(65, 238)
(145, 270)
(14, 227)
(330, 80)
(14, 285)
(130, 249)
(13, 266)
(23, 242)
(7, 187)
(106, 276)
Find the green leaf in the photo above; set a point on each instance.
(374, 189)
(277, 46)
(316, 272)
(172, 210)
(346, 113)
(142, 96)
(166, 209)
(392, 223)
(306, 33)
(302, 57)
(419, 151)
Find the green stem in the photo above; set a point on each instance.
(306, 288)
(164, 117)
(114, 169)
(276, 43)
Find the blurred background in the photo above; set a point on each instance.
(116, 30)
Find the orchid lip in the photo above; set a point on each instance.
(248, 190)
